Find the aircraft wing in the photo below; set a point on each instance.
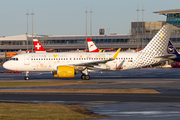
(165, 57)
(95, 63)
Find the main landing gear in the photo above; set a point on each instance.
(85, 75)
(27, 76)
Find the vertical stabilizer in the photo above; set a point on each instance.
(171, 49)
(92, 47)
(156, 47)
(38, 47)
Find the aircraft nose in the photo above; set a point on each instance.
(6, 65)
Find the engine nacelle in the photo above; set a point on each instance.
(65, 72)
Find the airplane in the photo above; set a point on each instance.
(67, 65)
(172, 50)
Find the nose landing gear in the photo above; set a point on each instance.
(27, 76)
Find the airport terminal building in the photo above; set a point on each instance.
(141, 34)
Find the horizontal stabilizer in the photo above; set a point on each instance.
(165, 57)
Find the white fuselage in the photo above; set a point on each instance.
(50, 61)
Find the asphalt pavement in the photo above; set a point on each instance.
(140, 106)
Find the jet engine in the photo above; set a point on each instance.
(64, 72)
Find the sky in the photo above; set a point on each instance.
(68, 17)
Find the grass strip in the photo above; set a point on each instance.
(84, 91)
(43, 111)
(25, 84)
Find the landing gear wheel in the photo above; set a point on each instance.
(83, 77)
(26, 78)
(87, 77)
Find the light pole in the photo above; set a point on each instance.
(142, 24)
(91, 23)
(32, 29)
(86, 27)
(137, 26)
(27, 29)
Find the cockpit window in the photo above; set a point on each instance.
(14, 59)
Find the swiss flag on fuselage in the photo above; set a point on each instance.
(37, 45)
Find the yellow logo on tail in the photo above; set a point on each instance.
(161, 35)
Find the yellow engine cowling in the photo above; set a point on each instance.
(65, 72)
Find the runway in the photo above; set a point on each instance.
(89, 97)
(117, 106)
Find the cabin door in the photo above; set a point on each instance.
(26, 59)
